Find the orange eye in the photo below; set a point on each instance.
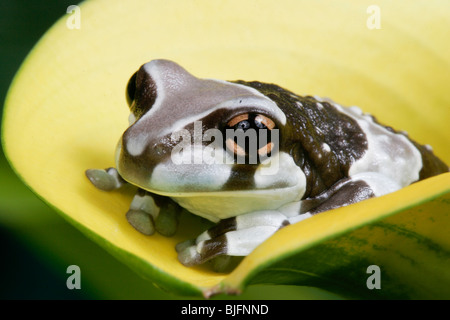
(235, 148)
(268, 123)
(244, 142)
(237, 120)
(264, 151)
(246, 121)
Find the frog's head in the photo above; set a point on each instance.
(216, 147)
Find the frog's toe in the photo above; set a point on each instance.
(202, 251)
(167, 221)
(141, 221)
(106, 180)
(183, 245)
(189, 256)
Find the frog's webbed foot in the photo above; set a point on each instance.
(236, 236)
(107, 179)
(149, 213)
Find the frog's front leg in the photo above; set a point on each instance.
(148, 212)
(238, 236)
(350, 190)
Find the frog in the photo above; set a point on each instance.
(300, 155)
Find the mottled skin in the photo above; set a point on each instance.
(324, 155)
(308, 129)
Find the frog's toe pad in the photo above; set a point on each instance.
(189, 256)
(193, 253)
(106, 180)
(141, 221)
(183, 245)
(167, 221)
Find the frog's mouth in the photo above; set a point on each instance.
(279, 172)
(217, 205)
(231, 194)
(220, 204)
(218, 191)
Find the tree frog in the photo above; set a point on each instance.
(251, 157)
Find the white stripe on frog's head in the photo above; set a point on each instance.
(181, 99)
(166, 100)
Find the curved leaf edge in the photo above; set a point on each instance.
(146, 270)
(174, 285)
(149, 272)
(234, 284)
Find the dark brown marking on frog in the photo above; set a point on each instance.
(213, 248)
(141, 92)
(241, 177)
(308, 128)
(222, 227)
(344, 192)
(431, 165)
(140, 167)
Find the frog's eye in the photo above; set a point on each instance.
(131, 89)
(263, 122)
(141, 92)
(247, 121)
(249, 135)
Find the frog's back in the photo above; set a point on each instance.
(331, 142)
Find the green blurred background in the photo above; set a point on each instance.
(37, 245)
